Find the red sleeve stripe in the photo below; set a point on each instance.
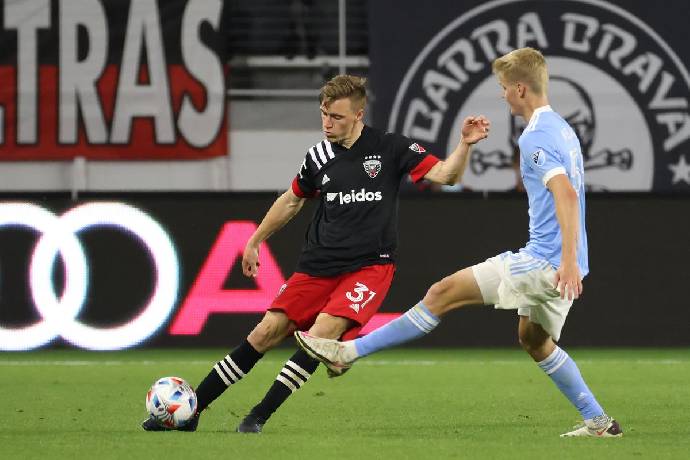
(423, 167)
(297, 190)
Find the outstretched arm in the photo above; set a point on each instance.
(449, 171)
(568, 279)
(282, 211)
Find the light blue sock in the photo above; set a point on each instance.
(565, 374)
(416, 322)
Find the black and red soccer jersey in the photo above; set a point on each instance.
(356, 221)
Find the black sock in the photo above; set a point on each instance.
(294, 374)
(227, 371)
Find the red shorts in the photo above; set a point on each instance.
(356, 296)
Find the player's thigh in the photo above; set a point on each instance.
(303, 297)
(454, 291)
(545, 307)
(357, 298)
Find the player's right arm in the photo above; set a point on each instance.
(281, 212)
(568, 279)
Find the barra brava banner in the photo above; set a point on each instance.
(618, 75)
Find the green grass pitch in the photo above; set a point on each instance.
(398, 404)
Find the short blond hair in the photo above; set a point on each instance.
(525, 65)
(345, 86)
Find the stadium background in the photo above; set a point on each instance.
(197, 113)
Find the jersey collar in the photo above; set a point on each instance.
(360, 143)
(535, 115)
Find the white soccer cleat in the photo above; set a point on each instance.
(600, 427)
(328, 351)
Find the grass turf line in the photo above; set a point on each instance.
(397, 404)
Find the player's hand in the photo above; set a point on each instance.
(250, 261)
(475, 128)
(568, 281)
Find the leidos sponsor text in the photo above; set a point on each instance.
(354, 197)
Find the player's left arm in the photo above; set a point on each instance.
(450, 170)
(567, 203)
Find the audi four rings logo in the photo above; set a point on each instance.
(59, 313)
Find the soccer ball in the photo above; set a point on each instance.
(171, 401)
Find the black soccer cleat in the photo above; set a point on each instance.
(151, 424)
(251, 424)
(191, 424)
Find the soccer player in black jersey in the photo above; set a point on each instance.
(348, 258)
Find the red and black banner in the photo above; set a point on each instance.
(115, 79)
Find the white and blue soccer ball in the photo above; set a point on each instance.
(171, 401)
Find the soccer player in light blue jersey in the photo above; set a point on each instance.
(541, 280)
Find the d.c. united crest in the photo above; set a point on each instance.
(372, 165)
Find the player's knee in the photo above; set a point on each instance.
(266, 335)
(524, 342)
(534, 344)
(438, 290)
(327, 331)
(438, 297)
(525, 339)
(330, 327)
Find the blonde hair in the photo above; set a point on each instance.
(525, 65)
(345, 86)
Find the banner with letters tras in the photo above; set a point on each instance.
(112, 79)
(618, 75)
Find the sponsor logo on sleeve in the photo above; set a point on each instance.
(539, 157)
(417, 148)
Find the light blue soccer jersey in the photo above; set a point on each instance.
(548, 147)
